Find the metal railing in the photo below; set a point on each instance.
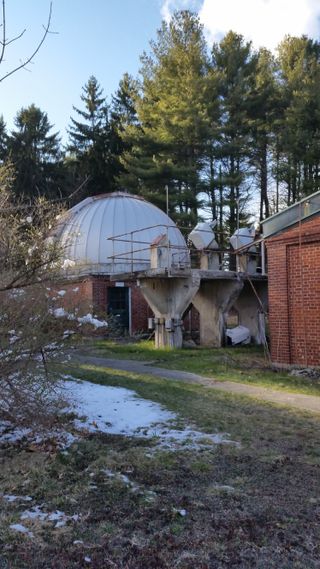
(178, 256)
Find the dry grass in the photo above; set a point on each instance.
(253, 506)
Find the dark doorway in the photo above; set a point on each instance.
(118, 306)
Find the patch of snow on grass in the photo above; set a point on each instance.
(181, 513)
(12, 434)
(89, 319)
(60, 518)
(60, 313)
(21, 529)
(114, 410)
(119, 411)
(122, 478)
(13, 498)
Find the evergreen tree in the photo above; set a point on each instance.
(299, 143)
(169, 142)
(123, 107)
(265, 110)
(3, 140)
(234, 65)
(89, 145)
(123, 114)
(36, 155)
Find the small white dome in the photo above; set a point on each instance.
(112, 233)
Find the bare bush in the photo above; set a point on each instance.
(29, 334)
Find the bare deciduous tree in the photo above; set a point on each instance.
(6, 41)
(29, 260)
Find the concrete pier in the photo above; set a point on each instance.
(169, 298)
(212, 292)
(213, 300)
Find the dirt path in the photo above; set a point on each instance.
(296, 400)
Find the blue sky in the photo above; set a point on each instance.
(106, 37)
(101, 37)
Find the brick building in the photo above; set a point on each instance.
(292, 238)
(105, 236)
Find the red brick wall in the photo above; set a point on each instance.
(294, 294)
(140, 310)
(100, 287)
(77, 297)
(91, 295)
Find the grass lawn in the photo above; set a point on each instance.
(246, 364)
(254, 505)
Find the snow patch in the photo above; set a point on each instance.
(13, 498)
(181, 513)
(16, 292)
(116, 411)
(122, 478)
(119, 411)
(87, 319)
(9, 433)
(60, 518)
(61, 313)
(67, 263)
(21, 529)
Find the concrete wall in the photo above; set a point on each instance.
(294, 294)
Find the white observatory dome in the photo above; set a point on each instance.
(112, 233)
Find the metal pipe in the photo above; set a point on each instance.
(167, 199)
(263, 258)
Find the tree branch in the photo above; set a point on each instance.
(8, 42)
(24, 63)
(3, 31)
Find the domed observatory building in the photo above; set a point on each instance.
(109, 235)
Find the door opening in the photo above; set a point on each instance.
(118, 307)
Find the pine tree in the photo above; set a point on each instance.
(123, 114)
(169, 143)
(299, 70)
(234, 65)
(3, 140)
(36, 155)
(264, 112)
(89, 141)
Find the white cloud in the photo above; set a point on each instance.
(170, 6)
(265, 22)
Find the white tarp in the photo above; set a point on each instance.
(239, 335)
